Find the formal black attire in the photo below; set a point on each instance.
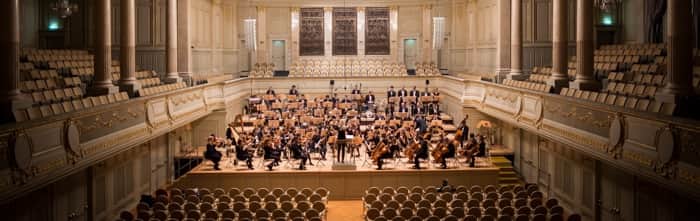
(212, 154)
(422, 153)
(341, 145)
(299, 154)
(242, 154)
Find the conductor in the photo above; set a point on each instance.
(341, 145)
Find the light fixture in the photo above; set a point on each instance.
(250, 30)
(438, 29)
(606, 5)
(64, 8)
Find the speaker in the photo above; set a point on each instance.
(332, 82)
(427, 82)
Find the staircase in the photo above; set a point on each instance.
(506, 174)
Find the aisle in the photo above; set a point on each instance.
(347, 210)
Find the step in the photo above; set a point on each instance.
(507, 174)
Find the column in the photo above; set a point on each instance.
(171, 42)
(427, 52)
(295, 34)
(261, 51)
(394, 33)
(585, 79)
(12, 97)
(680, 64)
(516, 41)
(127, 50)
(503, 40)
(361, 31)
(102, 83)
(184, 40)
(328, 31)
(560, 77)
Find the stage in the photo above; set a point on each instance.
(343, 184)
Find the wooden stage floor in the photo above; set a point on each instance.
(343, 184)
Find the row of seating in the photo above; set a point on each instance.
(460, 204)
(249, 204)
(535, 86)
(620, 100)
(69, 64)
(41, 85)
(48, 110)
(36, 74)
(427, 69)
(50, 96)
(633, 46)
(82, 71)
(161, 89)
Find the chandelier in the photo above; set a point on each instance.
(64, 8)
(606, 5)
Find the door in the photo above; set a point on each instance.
(528, 158)
(615, 195)
(70, 198)
(278, 54)
(409, 53)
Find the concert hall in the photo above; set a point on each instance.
(350, 110)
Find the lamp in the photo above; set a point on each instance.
(64, 8)
(606, 5)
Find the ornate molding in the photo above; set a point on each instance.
(101, 122)
(581, 116)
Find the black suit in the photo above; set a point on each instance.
(391, 93)
(422, 153)
(355, 91)
(298, 153)
(212, 154)
(403, 93)
(369, 99)
(293, 92)
(270, 92)
(414, 93)
(341, 145)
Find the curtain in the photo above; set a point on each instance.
(655, 12)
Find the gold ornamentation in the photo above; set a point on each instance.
(688, 177)
(100, 122)
(576, 137)
(115, 140)
(638, 158)
(582, 116)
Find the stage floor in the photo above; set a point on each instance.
(343, 184)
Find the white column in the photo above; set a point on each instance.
(361, 19)
(184, 39)
(11, 97)
(127, 48)
(503, 40)
(560, 75)
(261, 22)
(171, 42)
(427, 52)
(679, 78)
(585, 79)
(394, 34)
(295, 34)
(328, 31)
(516, 41)
(102, 83)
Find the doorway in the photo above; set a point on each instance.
(409, 53)
(278, 54)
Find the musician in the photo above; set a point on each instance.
(433, 109)
(391, 92)
(393, 148)
(229, 134)
(414, 92)
(355, 90)
(421, 125)
(211, 153)
(481, 141)
(436, 92)
(369, 100)
(403, 92)
(243, 154)
(465, 130)
(471, 150)
(271, 152)
(415, 108)
(451, 149)
(341, 144)
(303, 100)
(294, 90)
(426, 92)
(270, 91)
(299, 153)
(403, 108)
(421, 153)
(346, 99)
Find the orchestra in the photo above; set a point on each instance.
(299, 127)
